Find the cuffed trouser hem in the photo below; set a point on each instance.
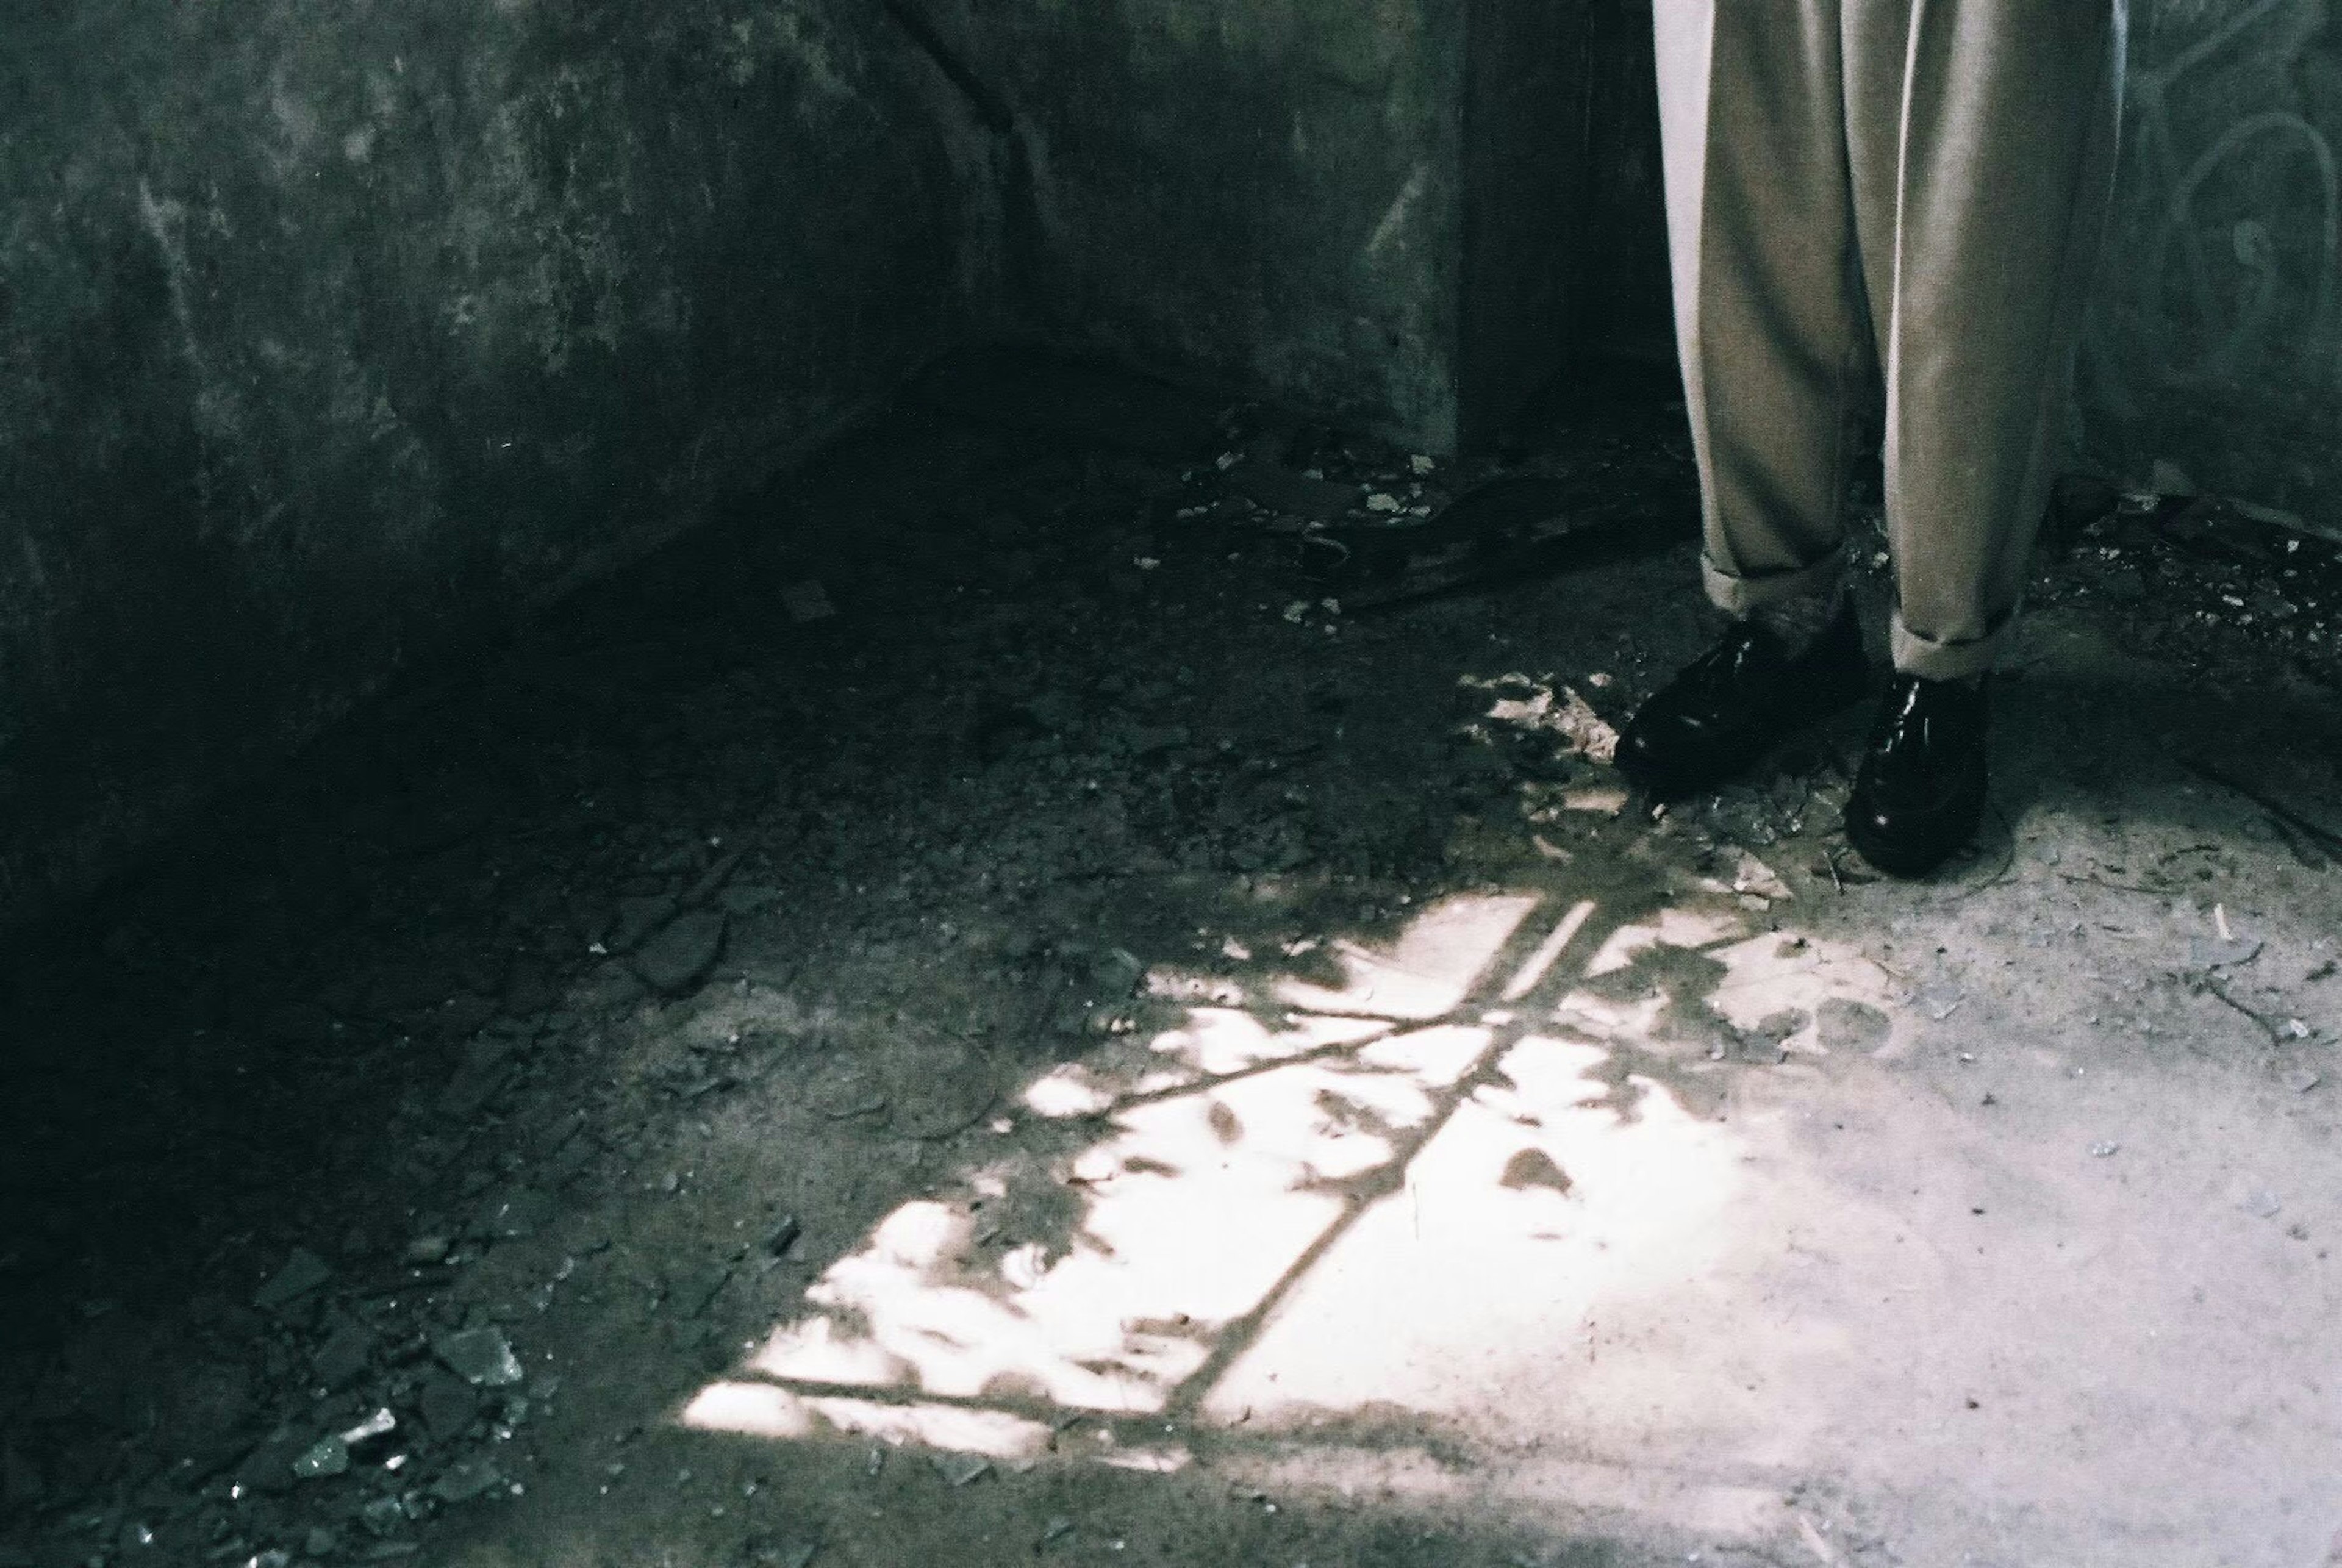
(1738, 596)
(1933, 661)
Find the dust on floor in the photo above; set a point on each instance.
(1045, 993)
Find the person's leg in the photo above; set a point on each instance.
(1981, 135)
(1767, 325)
(1775, 352)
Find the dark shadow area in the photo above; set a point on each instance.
(604, 992)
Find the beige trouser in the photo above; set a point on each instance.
(1915, 187)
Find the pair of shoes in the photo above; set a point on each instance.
(1919, 793)
(1738, 700)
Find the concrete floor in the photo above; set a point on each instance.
(1172, 1071)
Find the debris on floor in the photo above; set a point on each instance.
(418, 1131)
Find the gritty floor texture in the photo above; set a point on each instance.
(1141, 1036)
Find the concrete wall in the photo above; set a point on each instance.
(330, 334)
(1263, 193)
(2215, 353)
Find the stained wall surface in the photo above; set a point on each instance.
(2214, 359)
(1264, 194)
(332, 336)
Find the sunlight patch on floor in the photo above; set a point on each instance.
(1379, 1199)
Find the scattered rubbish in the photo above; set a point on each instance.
(480, 1356)
(911, 858)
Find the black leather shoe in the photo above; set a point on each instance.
(1919, 793)
(1739, 700)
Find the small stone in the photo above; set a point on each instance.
(1752, 875)
(2218, 952)
(784, 1235)
(327, 1457)
(680, 956)
(425, 1250)
(462, 1482)
(480, 1357)
(2302, 1080)
(320, 1542)
(960, 1469)
(448, 1406)
(380, 1424)
(349, 1349)
(2103, 1148)
(304, 1272)
(2260, 1203)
